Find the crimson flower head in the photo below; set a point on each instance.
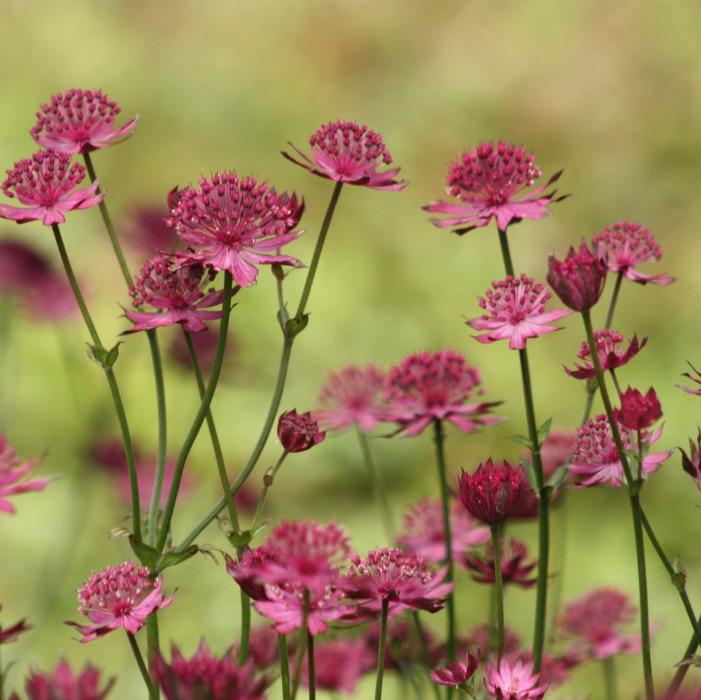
(178, 293)
(691, 463)
(695, 377)
(11, 634)
(249, 570)
(79, 121)
(119, 596)
(234, 223)
(46, 185)
(623, 246)
(578, 279)
(431, 386)
(515, 310)
(352, 396)
(493, 493)
(489, 183)
(346, 152)
(64, 684)
(513, 680)
(612, 353)
(514, 565)
(13, 476)
(298, 431)
(456, 673)
(339, 664)
(638, 411)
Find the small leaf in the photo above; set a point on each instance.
(147, 555)
(544, 430)
(522, 440)
(240, 538)
(691, 661)
(559, 475)
(118, 532)
(295, 326)
(174, 557)
(103, 357)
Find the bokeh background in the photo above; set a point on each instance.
(612, 93)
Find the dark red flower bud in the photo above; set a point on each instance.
(638, 412)
(578, 279)
(298, 431)
(691, 463)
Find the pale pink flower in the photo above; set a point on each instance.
(514, 565)
(610, 346)
(352, 396)
(64, 684)
(513, 680)
(344, 151)
(515, 310)
(46, 186)
(339, 664)
(489, 183)
(456, 673)
(431, 386)
(696, 379)
(625, 245)
(178, 293)
(11, 634)
(80, 121)
(13, 476)
(554, 670)
(235, 223)
(423, 534)
(595, 458)
(119, 596)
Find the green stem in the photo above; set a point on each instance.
(310, 666)
(684, 668)
(378, 484)
(152, 690)
(609, 677)
(301, 647)
(505, 252)
(245, 626)
(268, 481)
(499, 589)
(284, 666)
(162, 439)
(153, 647)
(381, 650)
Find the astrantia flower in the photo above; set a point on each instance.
(46, 185)
(298, 432)
(403, 580)
(638, 411)
(515, 310)
(514, 567)
(456, 673)
(249, 570)
(432, 386)
(63, 684)
(612, 353)
(595, 458)
(513, 680)
(352, 396)
(697, 379)
(489, 183)
(80, 121)
(344, 151)
(578, 279)
(625, 245)
(595, 620)
(10, 634)
(691, 463)
(339, 664)
(119, 596)
(422, 533)
(13, 476)
(235, 223)
(178, 293)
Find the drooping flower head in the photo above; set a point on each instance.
(119, 596)
(178, 293)
(298, 432)
(423, 534)
(595, 458)
(46, 185)
(489, 182)
(691, 463)
(594, 622)
(578, 279)
(64, 684)
(430, 386)
(344, 151)
(339, 664)
(352, 396)
(235, 224)
(515, 310)
(12, 633)
(79, 121)
(612, 353)
(695, 377)
(495, 492)
(514, 565)
(13, 476)
(513, 680)
(623, 246)
(638, 411)
(456, 673)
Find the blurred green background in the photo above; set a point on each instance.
(610, 93)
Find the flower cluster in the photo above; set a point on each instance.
(610, 347)
(64, 684)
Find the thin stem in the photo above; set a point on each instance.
(614, 299)
(152, 690)
(153, 647)
(268, 481)
(284, 666)
(609, 677)
(310, 666)
(683, 668)
(245, 626)
(301, 646)
(381, 650)
(499, 589)
(377, 482)
(162, 439)
(505, 252)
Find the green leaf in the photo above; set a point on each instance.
(173, 557)
(147, 555)
(522, 440)
(103, 357)
(691, 661)
(544, 430)
(295, 326)
(240, 538)
(558, 476)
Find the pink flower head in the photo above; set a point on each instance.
(513, 680)
(696, 379)
(623, 246)
(11, 634)
(554, 669)
(178, 293)
(691, 463)
(46, 186)
(578, 279)
(488, 182)
(456, 673)
(248, 571)
(611, 351)
(234, 223)
(424, 536)
(119, 596)
(204, 676)
(595, 458)
(432, 386)
(63, 684)
(346, 152)
(298, 432)
(595, 620)
(13, 473)
(494, 493)
(514, 567)
(339, 665)
(638, 411)
(80, 121)
(515, 310)
(147, 231)
(352, 396)
(404, 580)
